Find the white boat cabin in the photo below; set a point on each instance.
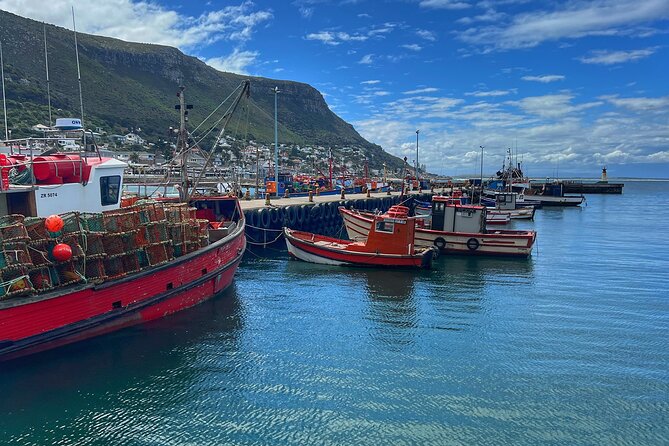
(505, 201)
(58, 183)
(451, 217)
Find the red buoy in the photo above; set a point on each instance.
(54, 223)
(62, 252)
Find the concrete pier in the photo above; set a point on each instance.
(265, 223)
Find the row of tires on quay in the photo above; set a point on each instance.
(264, 226)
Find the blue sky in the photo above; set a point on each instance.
(571, 86)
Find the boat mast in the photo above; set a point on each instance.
(4, 100)
(331, 184)
(244, 91)
(182, 144)
(76, 50)
(48, 89)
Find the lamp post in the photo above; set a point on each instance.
(276, 142)
(481, 191)
(417, 131)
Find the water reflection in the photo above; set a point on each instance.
(392, 308)
(459, 286)
(140, 363)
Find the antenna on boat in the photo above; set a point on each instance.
(48, 89)
(76, 51)
(4, 101)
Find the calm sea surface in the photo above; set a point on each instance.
(569, 347)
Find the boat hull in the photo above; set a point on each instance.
(495, 243)
(40, 323)
(310, 251)
(558, 201)
(515, 214)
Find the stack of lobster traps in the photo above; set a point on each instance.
(105, 246)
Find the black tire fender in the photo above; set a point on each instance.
(473, 244)
(440, 243)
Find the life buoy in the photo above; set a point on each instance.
(473, 244)
(265, 218)
(440, 243)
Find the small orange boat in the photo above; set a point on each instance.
(390, 243)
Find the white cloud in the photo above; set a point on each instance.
(237, 62)
(367, 59)
(335, 38)
(371, 82)
(603, 57)
(427, 35)
(640, 104)
(490, 93)
(412, 47)
(489, 16)
(332, 37)
(552, 105)
(146, 22)
(545, 78)
(548, 129)
(422, 90)
(444, 4)
(573, 20)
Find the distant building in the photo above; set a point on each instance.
(132, 138)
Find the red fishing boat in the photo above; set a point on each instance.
(390, 243)
(122, 266)
(453, 228)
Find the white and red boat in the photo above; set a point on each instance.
(389, 243)
(491, 218)
(453, 229)
(126, 266)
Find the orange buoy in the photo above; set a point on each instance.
(54, 223)
(62, 252)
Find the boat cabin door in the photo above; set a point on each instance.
(506, 201)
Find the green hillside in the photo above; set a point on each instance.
(130, 85)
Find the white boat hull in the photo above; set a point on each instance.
(492, 243)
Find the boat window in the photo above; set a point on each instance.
(109, 189)
(385, 226)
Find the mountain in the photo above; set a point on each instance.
(131, 85)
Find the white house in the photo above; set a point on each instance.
(132, 138)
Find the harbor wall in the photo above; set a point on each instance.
(264, 226)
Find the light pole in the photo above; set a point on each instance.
(481, 191)
(417, 180)
(276, 142)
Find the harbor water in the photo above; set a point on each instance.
(566, 347)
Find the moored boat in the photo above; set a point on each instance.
(454, 229)
(389, 243)
(552, 194)
(75, 264)
(505, 204)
